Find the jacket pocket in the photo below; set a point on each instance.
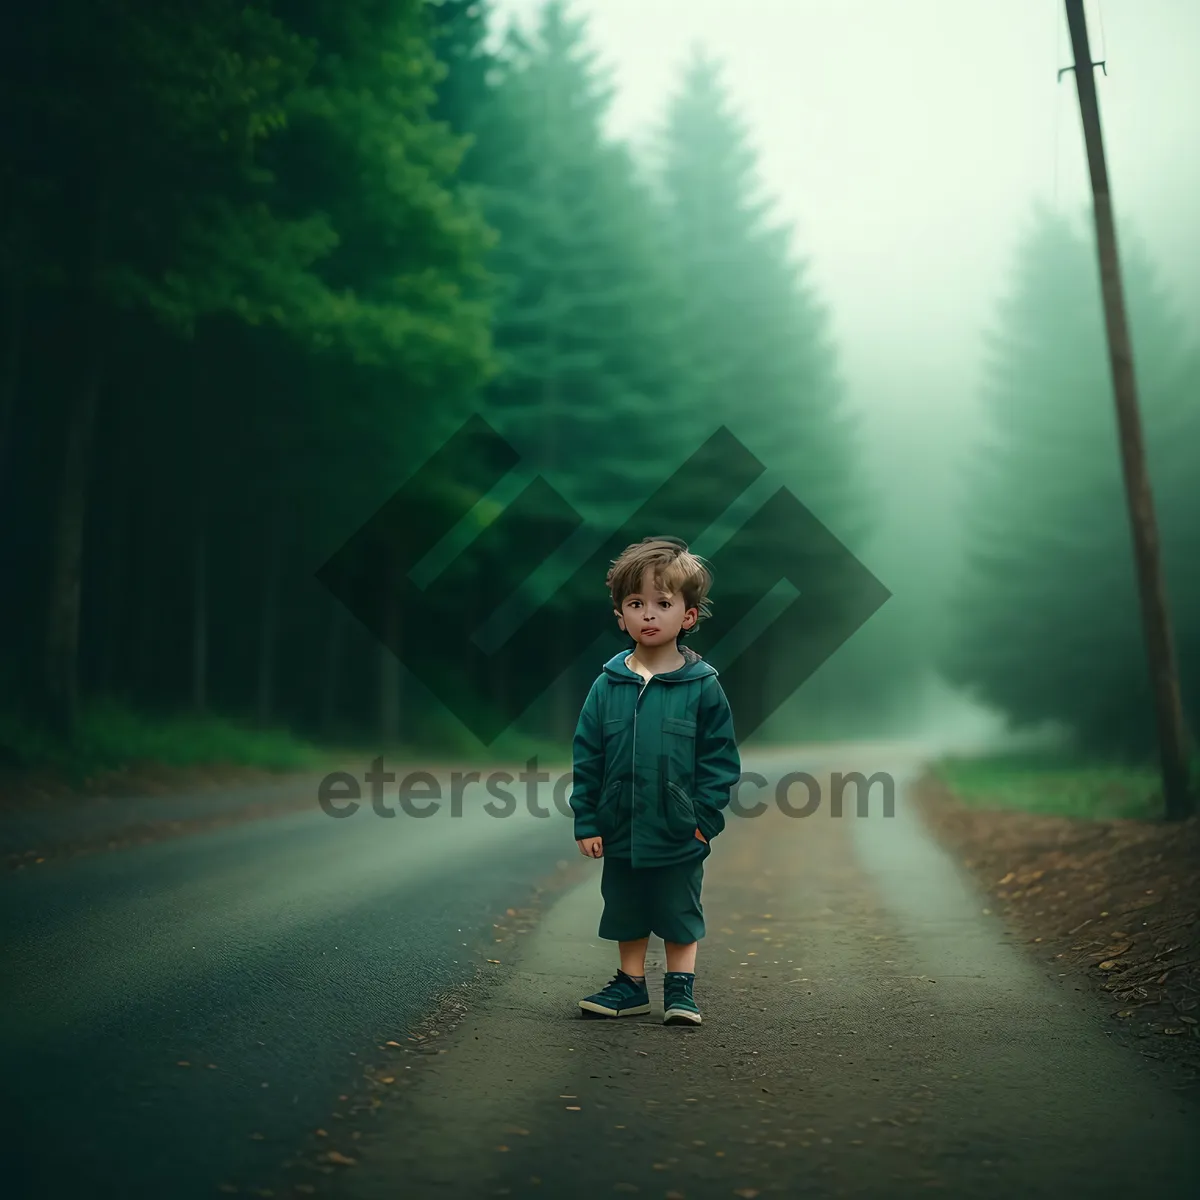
(680, 811)
(679, 750)
(680, 726)
(608, 810)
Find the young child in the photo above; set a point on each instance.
(654, 762)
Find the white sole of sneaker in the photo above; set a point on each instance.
(590, 1006)
(680, 1016)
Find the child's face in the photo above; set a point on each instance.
(653, 617)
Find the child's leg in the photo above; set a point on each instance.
(680, 956)
(679, 919)
(633, 957)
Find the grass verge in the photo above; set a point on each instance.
(1056, 785)
(113, 737)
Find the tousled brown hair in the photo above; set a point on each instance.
(676, 570)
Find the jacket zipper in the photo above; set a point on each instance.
(633, 767)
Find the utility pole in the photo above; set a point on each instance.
(1172, 734)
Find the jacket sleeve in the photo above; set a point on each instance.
(587, 770)
(718, 763)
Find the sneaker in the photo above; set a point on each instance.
(622, 996)
(678, 1006)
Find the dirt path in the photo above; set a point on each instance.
(834, 1060)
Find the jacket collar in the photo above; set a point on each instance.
(694, 667)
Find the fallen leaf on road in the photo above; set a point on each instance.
(1174, 1029)
(1107, 964)
(335, 1156)
(321, 1133)
(574, 1108)
(746, 1193)
(494, 960)
(391, 1043)
(183, 1064)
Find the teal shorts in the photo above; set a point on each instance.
(639, 901)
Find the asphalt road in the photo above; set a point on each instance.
(278, 951)
(870, 1030)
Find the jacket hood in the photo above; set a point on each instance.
(694, 667)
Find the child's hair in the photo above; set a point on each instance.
(676, 570)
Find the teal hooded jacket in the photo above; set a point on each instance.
(654, 760)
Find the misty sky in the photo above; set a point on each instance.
(907, 140)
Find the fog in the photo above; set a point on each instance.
(907, 145)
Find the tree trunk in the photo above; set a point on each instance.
(148, 588)
(116, 567)
(61, 679)
(269, 616)
(200, 614)
(389, 671)
(66, 584)
(333, 667)
(389, 698)
(199, 608)
(10, 365)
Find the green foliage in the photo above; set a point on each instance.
(1048, 622)
(1054, 785)
(589, 385)
(112, 736)
(364, 150)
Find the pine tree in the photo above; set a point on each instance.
(581, 324)
(759, 354)
(589, 386)
(1049, 625)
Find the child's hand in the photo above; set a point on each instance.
(702, 837)
(591, 847)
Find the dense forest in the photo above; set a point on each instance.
(261, 260)
(1048, 624)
